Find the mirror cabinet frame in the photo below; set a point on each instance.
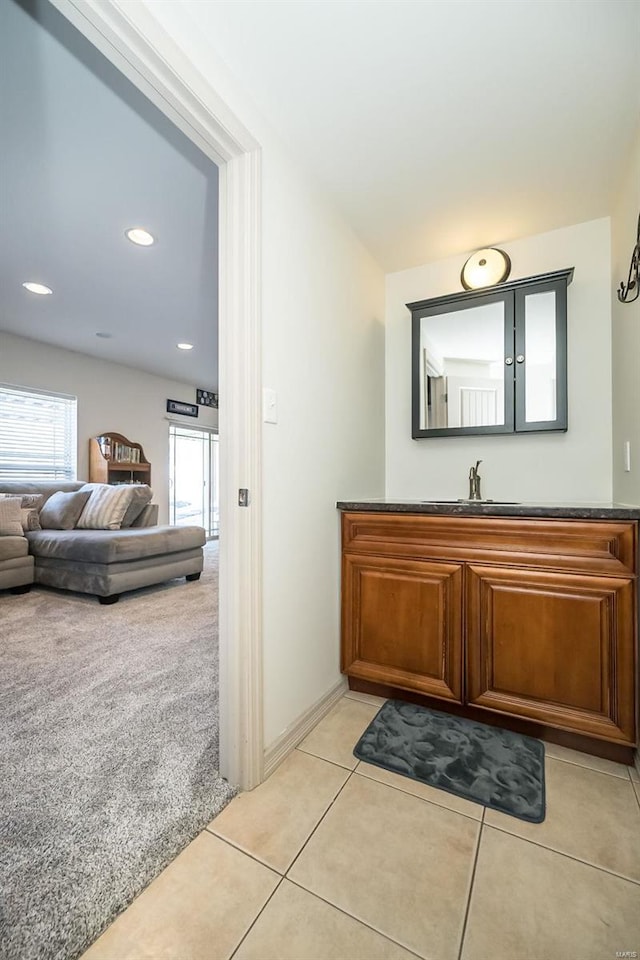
(514, 296)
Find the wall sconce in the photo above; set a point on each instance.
(626, 292)
(485, 268)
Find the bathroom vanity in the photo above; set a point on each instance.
(522, 615)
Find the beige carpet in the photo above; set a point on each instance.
(109, 753)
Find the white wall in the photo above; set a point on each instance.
(626, 335)
(572, 466)
(323, 353)
(111, 397)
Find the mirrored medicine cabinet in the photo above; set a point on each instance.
(491, 361)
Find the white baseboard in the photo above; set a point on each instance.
(277, 751)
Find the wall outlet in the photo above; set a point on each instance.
(627, 456)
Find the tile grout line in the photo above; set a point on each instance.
(583, 766)
(316, 756)
(257, 917)
(434, 803)
(304, 845)
(252, 856)
(473, 877)
(351, 916)
(210, 828)
(561, 853)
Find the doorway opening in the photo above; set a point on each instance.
(145, 54)
(193, 478)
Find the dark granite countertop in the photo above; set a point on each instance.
(567, 511)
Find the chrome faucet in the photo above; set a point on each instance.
(474, 482)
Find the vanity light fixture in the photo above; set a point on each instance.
(38, 288)
(184, 346)
(140, 236)
(485, 268)
(629, 291)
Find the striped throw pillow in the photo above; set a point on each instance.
(105, 508)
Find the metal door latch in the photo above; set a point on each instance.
(243, 497)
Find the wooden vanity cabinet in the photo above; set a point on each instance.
(525, 618)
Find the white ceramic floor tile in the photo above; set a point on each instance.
(273, 821)
(295, 925)
(199, 908)
(586, 760)
(590, 815)
(337, 734)
(529, 903)
(394, 862)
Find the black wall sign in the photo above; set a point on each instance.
(206, 398)
(184, 409)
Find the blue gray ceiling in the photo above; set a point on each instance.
(83, 157)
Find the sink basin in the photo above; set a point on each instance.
(505, 503)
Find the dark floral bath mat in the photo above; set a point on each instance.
(491, 766)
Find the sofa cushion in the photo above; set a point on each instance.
(44, 487)
(106, 506)
(111, 546)
(10, 514)
(62, 510)
(11, 547)
(30, 504)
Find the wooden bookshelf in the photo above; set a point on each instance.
(114, 459)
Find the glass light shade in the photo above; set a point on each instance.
(140, 236)
(485, 268)
(38, 288)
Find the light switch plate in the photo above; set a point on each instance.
(269, 406)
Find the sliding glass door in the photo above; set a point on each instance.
(193, 478)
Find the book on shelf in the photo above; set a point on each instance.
(118, 452)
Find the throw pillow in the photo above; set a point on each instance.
(30, 504)
(10, 525)
(141, 494)
(62, 510)
(106, 506)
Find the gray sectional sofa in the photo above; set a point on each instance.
(101, 562)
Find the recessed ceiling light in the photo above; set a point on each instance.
(104, 336)
(184, 346)
(38, 288)
(140, 236)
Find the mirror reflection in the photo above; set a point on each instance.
(462, 367)
(540, 354)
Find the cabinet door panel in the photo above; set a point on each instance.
(556, 648)
(402, 623)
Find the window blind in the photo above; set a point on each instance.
(37, 434)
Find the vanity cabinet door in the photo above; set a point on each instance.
(557, 648)
(402, 623)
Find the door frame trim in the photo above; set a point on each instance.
(134, 41)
